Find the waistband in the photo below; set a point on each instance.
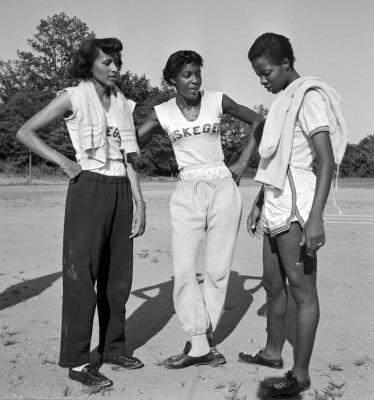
(95, 176)
(204, 172)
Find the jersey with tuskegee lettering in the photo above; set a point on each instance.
(195, 143)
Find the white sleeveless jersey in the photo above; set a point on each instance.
(198, 143)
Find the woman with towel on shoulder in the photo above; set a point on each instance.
(303, 123)
(99, 221)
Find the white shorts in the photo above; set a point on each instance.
(293, 203)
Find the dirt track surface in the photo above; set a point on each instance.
(30, 305)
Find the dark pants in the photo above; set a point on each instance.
(96, 249)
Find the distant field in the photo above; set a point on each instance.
(12, 180)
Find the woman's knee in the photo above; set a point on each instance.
(273, 288)
(304, 293)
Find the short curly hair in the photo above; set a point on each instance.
(274, 47)
(89, 50)
(177, 61)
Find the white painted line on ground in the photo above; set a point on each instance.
(349, 215)
(350, 222)
(352, 218)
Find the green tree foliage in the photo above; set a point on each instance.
(45, 67)
(157, 158)
(235, 135)
(29, 83)
(358, 160)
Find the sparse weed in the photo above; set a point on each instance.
(234, 389)
(116, 368)
(45, 360)
(219, 385)
(144, 254)
(10, 342)
(360, 362)
(335, 367)
(9, 334)
(4, 326)
(154, 260)
(182, 383)
(158, 362)
(332, 391)
(66, 391)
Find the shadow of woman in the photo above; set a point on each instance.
(26, 290)
(289, 333)
(238, 301)
(152, 316)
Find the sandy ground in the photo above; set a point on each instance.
(30, 305)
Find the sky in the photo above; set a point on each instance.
(332, 39)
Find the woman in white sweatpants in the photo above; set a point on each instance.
(205, 201)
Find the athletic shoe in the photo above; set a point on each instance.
(256, 358)
(288, 387)
(90, 376)
(123, 361)
(183, 360)
(217, 357)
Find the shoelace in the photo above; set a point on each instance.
(285, 383)
(95, 374)
(178, 356)
(254, 353)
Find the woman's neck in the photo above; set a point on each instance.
(292, 77)
(184, 102)
(102, 91)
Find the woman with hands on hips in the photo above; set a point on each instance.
(100, 224)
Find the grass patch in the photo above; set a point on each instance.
(331, 392)
(10, 342)
(335, 367)
(233, 391)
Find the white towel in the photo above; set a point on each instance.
(277, 139)
(92, 127)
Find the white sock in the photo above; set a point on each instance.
(200, 346)
(79, 369)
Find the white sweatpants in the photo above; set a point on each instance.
(199, 206)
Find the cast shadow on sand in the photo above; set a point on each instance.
(290, 321)
(154, 314)
(238, 301)
(26, 290)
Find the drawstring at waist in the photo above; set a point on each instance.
(210, 184)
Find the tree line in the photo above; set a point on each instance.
(30, 82)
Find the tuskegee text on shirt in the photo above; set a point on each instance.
(193, 131)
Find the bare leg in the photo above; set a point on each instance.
(301, 272)
(276, 298)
